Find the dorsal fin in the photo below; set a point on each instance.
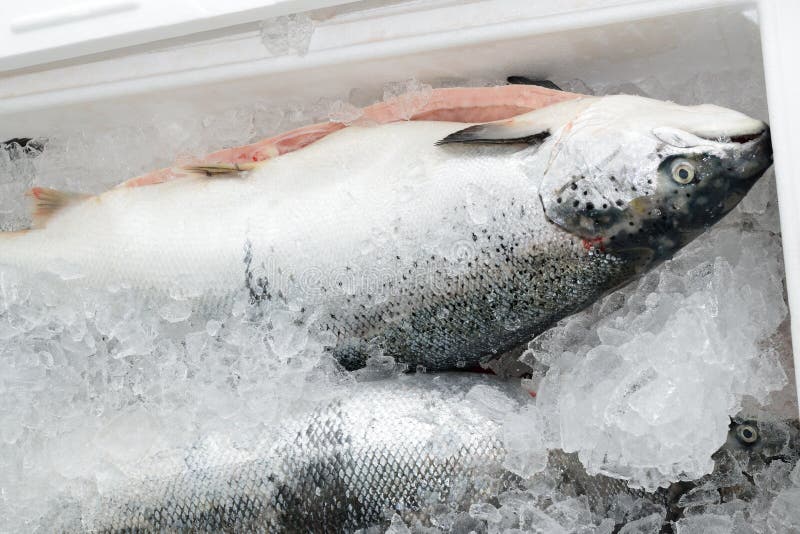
(47, 201)
(524, 80)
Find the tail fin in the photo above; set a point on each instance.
(47, 201)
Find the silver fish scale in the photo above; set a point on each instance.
(506, 298)
(346, 466)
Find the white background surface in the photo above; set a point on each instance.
(42, 31)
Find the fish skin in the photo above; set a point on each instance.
(337, 468)
(438, 256)
(414, 446)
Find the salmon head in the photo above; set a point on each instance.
(635, 173)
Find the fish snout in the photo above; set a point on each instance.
(756, 154)
(763, 144)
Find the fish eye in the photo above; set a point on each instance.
(683, 171)
(747, 434)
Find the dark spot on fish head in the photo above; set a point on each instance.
(588, 187)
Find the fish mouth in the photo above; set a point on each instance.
(751, 160)
(738, 139)
(760, 142)
(750, 151)
(742, 139)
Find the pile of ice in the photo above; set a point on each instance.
(750, 491)
(772, 507)
(94, 383)
(642, 384)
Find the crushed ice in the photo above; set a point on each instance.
(641, 385)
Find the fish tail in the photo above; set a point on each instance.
(47, 202)
(30, 248)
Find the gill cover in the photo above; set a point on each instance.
(593, 179)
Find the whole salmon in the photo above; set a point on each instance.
(420, 446)
(438, 243)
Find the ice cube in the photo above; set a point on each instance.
(650, 524)
(784, 515)
(212, 327)
(288, 34)
(760, 195)
(289, 334)
(705, 524)
(130, 436)
(490, 401)
(486, 512)
(408, 97)
(344, 112)
(684, 345)
(526, 453)
(606, 526)
(397, 526)
(700, 496)
(176, 311)
(571, 513)
(774, 477)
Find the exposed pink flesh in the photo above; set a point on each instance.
(275, 146)
(458, 104)
(484, 114)
(471, 104)
(153, 177)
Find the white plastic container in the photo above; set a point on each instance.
(50, 83)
